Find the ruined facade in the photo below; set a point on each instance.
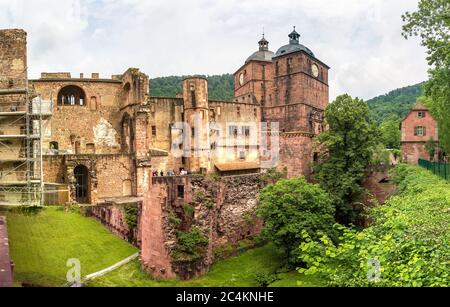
(111, 144)
(107, 136)
(418, 128)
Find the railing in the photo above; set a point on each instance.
(440, 169)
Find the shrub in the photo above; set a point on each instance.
(224, 251)
(191, 245)
(174, 220)
(189, 209)
(264, 279)
(290, 206)
(131, 216)
(273, 175)
(408, 244)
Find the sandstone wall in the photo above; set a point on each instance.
(113, 216)
(224, 211)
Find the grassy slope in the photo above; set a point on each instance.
(41, 245)
(238, 271)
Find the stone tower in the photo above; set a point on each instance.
(196, 117)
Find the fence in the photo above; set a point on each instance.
(440, 169)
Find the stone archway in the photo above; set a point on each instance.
(82, 190)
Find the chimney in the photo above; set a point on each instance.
(81, 75)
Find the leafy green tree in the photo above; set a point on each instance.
(291, 206)
(350, 144)
(406, 246)
(220, 87)
(390, 132)
(431, 22)
(397, 102)
(431, 147)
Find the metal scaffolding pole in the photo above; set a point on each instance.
(18, 187)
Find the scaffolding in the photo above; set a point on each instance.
(22, 113)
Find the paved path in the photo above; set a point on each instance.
(6, 278)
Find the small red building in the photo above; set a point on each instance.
(418, 128)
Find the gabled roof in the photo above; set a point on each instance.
(419, 106)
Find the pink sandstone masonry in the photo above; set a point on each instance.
(225, 212)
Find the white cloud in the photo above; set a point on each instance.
(360, 40)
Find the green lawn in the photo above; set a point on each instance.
(41, 245)
(238, 271)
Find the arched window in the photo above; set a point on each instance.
(127, 93)
(93, 104)
(54, 146)
(71, 96)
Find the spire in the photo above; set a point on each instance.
(263, 44)
(294, 37)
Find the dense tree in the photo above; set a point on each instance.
(390, 132)
(220, 87)
(292, 206)
(431, 22)
(350, 143)
(406, 246)
(430, 147)
(397, 102)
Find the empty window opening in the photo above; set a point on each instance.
(180, 191)
(194, 102)
(233, 131)
(81, 174)
(71, 96)
(54, 146)
(246, 131)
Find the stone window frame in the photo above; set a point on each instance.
(421, 114)
(233, 130)
(420, 131)
(180, 191)
(242, 155)
(72, 95)
(246, 131)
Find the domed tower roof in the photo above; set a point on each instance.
(293, 46)
(263, 54)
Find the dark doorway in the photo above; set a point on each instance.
(82, 184)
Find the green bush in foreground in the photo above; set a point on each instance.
(191, 245)
(408, 244)
(293, 205)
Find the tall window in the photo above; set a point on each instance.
(71, 96)
(192, 88)
(420, 131)
(233, 131)
(246, 131)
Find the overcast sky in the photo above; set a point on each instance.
(360, 39)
